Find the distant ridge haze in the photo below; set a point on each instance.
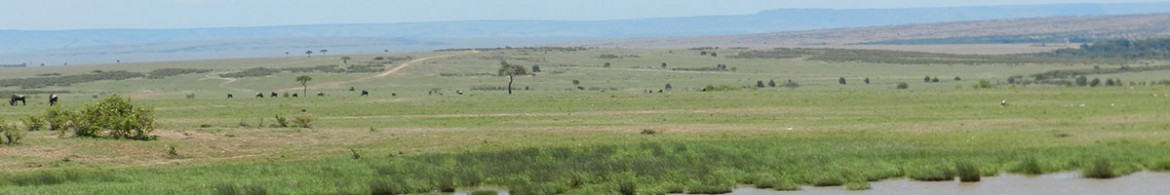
(45, 46)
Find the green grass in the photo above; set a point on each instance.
(967, 172)
(1099, 169)
(557, 139)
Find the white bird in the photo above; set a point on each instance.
(1003, 103)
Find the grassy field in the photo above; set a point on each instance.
(612, 137)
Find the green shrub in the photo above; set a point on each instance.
(12, 135)
(485, 192)
(57, 117)
(967, 172)
(304, 121)
(983, 84)
(627, 184)
(1099, 169)
(115, 117)
(649, 132)
(903, 86)
(1029, 166)
(828, 179)
(857, 185)
(1163, 165)
(33, 122)
(720, 88)
(931, 173)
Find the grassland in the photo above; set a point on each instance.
(610, 138)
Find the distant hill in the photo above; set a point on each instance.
(78, 46)
(1074, 29)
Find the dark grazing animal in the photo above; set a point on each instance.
(320, 94)
(230, 96)
(365, 93)
(16, 97)
(294, 94)
(259, 95)
(52, 99)
(273, 94)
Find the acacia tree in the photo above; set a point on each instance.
(511, 71)
(309, 53)
(304, 79)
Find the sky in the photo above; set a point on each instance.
(161, 14)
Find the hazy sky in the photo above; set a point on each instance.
(89, 14)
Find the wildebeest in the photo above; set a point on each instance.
(294, 94)
(351, 88)
(16, 97)
(259, 95)
(273, 94)
(230, 96)
(52, 99)
(365, 93)
(320, 94)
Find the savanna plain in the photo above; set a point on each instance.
(591, 121)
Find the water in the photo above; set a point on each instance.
(1056, 184)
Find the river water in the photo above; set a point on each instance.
(1067, 183)
(1140, 183)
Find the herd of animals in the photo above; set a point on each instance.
(21, 98)
(53, 97)
(319, 94)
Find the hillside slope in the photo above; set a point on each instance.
(1038, 30)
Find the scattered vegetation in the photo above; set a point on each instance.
(167, 72)
(114, 117)
(907, 57)
(967, 172)
(262, 71)
(304, 121)
(1158, 48)
(12, 135)
(48, 81)
(33, 122)
(1099, 169)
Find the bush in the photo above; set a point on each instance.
(57, 118)
(903, 86)
(983, 84)
(280, 121)
(967, 172)
(1029, 166)
(1099, 169)
(931, 173)
(857, 185)
(33, 122)
(304, 121)
(484, 192)
(828, 179)
(1163, 165)
(12, 135)
(115, 117)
